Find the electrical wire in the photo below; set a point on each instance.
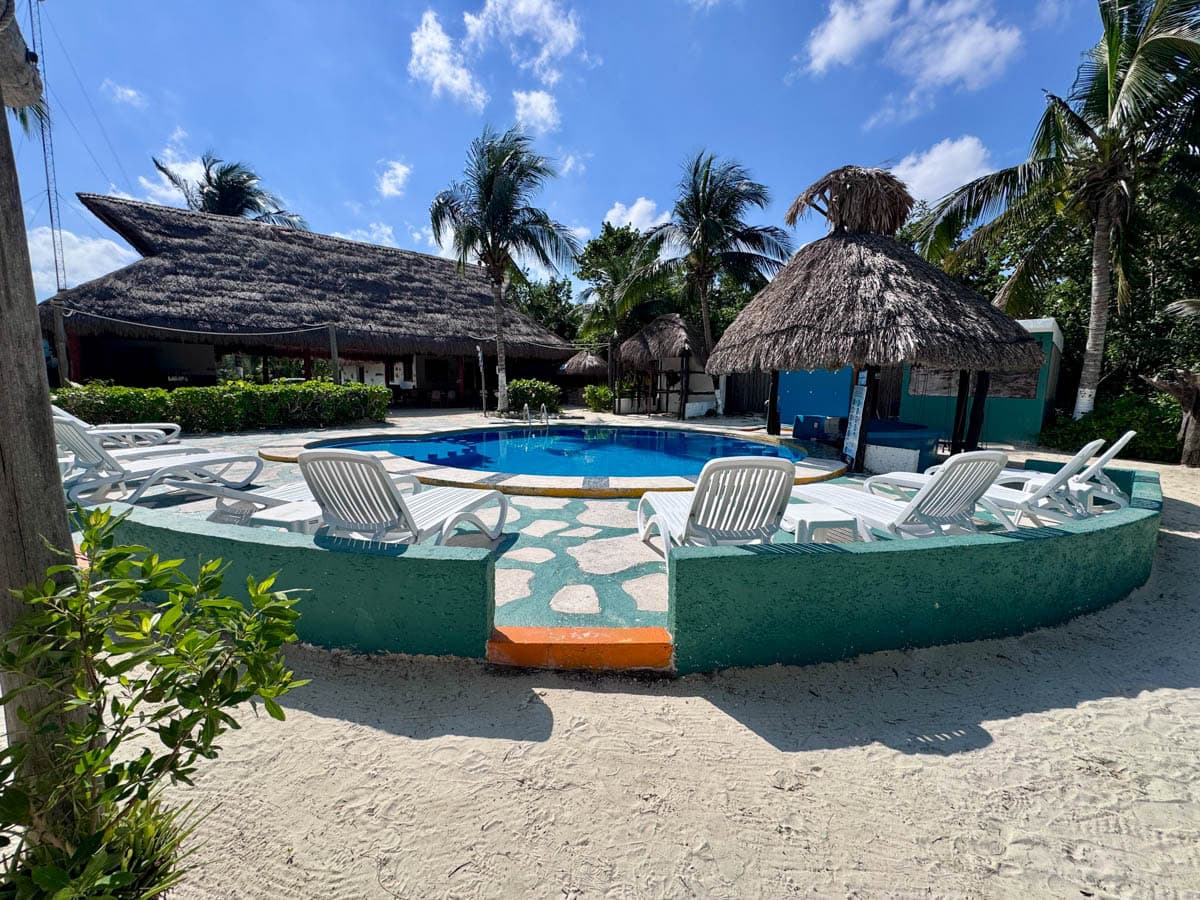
(68, 312)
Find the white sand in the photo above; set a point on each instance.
(1063, 763)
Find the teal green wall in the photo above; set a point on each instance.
(1005, 419)
(419, 599)
(800, 604)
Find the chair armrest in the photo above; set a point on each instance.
(893, 482)
(402, 481)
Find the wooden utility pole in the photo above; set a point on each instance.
(773, 404)
(978, 404)
(335, 365)
(33, 515)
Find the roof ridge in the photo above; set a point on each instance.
(241, 220)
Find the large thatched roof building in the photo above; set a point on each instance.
(234, 285)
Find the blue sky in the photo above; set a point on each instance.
(358, 113)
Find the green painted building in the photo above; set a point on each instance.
(1017, 404)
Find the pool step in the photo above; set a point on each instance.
(596, 649)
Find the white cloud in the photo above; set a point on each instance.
(1051, 13)
(422, 236)
(393, 178)
(932, 44)
(178, 160)
(375, 233)
(582, 233)
(536, 111)
(948, 164)
(703, 5)
(642, 214)
(552, 32)
(84, 258)
(119, 93)
(850, 26)
(436, 61)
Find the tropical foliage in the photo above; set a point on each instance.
(535, 394)
(1129, 121)
(231, 189)
(598, 397)
(608, 263)
(548, 303)
(148, 667)
(489, 219)
(708, 236)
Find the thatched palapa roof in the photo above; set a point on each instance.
(585, 364)
(666, 337)
(217, 274)
(858, 297)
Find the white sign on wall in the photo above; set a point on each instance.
(858, 401)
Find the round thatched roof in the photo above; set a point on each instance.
(857, 297)
(667, 336)
(586, 364)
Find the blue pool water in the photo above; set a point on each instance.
(582, 451)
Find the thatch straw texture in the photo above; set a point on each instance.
(856, 199)
(585, 364)
(221, 274)
(853, 299)
(667, 336)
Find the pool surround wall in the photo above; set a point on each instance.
(419, 599)
(802, 604)
(728, 606)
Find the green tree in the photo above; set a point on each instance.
(231, 189)
(488, 217)
(548, 303)
(708, 236)
(1130, 118)
(607, 263)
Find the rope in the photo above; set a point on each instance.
(67, 313)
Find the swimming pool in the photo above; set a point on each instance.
(579, 451)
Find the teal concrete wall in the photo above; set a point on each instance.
(418, 599)
(1005, 419)
(800, 604)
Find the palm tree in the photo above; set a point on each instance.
(231, 189)
(708, 235)
(609, 262)
(489, 220)
(1131, 117)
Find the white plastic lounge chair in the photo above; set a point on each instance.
(1050, 501)
(247, 507)
(945, 503)
(128, 434)
(357, 497)
(127, 452)
(97, 474)
(737, 500)
(1088, 487)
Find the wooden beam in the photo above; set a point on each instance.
(975, 428)
(685, 377)
(333, 355)
(773, 404)
(960, 411)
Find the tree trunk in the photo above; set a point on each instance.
(501, 369)
(708, 340)
(33, 516)
(1185, 388)
(1093, 357)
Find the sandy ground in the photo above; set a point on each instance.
(1063, 763)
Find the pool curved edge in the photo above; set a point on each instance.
(808, 470)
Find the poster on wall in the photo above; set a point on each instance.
(858, 400)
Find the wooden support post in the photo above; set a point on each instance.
(685, 376)
(335, 365)
(308, 368)
(773, 404)
(60, 344)
(266, 369)
(975, 428)
(615, 362)
(960, 412)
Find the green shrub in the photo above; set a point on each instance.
(234, 406)
(1155, 419)
(535, 393)
(598, 397)
(131, 672)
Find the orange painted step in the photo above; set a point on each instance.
(600, 649)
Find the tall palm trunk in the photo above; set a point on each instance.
(1093, 357)
(501, 370)
(705, 284)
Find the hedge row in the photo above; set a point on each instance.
(235, 406)
(1156, 420)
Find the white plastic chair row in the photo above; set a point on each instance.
(128, 434)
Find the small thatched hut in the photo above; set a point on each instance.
(585, 364)
(211, 284)
(673, 354)
(857, 297)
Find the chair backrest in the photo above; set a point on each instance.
(63, 414)
(740, 498)
(950, 495)
(1058, 482)
(89, 454)
(1093, 471)
(354, 492)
